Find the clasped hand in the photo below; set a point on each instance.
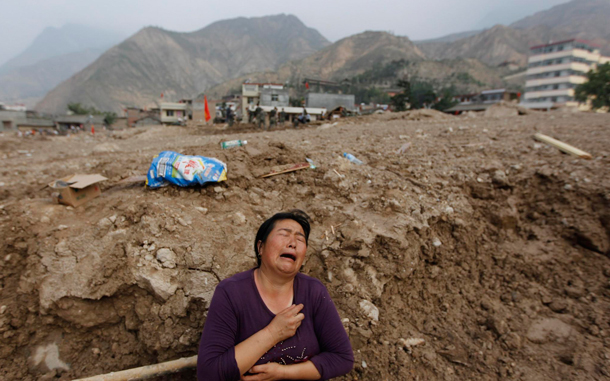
(282, 327)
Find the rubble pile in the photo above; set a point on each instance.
(473, 252)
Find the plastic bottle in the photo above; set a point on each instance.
(233, 143)
(351, 158)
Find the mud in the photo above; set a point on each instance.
(475, 253)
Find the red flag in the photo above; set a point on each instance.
(307, 85)
(161, 95)
(206, 109)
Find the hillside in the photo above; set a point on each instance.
(585, 19)
(156, 61)
(55, 55)
(363, 52)
(492, 46)
(55, 42)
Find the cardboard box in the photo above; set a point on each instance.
(76, 190)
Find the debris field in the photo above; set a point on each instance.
(461, 249)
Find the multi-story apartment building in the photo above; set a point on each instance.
(555, 69)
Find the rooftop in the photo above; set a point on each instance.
(564, 42)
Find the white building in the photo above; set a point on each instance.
(265, 94)
(173, 113)
(555, 69)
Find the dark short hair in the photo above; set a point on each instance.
(265, 229)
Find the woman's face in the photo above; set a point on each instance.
(284, 250)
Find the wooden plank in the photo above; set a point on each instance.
(146, 371)
(563, 146)
(286, 168)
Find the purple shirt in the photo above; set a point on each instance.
(237, 312)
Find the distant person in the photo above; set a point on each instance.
(260, 118)
(250, 114)
(282, 117)
(273, 117)
(230, 116)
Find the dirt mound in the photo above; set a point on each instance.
(505, 109)
(476, 253)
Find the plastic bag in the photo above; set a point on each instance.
(173, 168)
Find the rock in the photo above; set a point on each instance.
(106, 147)
(2, 310)
(550, 329)
(104, 223)
(49, 355)
(512, 341)
(558, 305)
(159, 282)
(239, 218)
(167, 258)
(202, 210)
(436, 242)
(497, 325)
(151, 248)
(112, 218)
(370, 310)
(219, 189)
(45, 220)
(411, 342)
(499, 178)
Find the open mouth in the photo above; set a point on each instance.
(289, 256)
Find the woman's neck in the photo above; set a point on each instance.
(271, 284)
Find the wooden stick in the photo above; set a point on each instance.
(146, 371)
(287, 168)
(563, 146)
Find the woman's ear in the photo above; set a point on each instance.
(259, 246)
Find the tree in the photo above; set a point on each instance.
(400, 100)
(110, 118)
(597, 88)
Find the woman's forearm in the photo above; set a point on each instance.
(302, 371)
(249, 351)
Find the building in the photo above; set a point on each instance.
(554, 70)
(267, 94)
(482, 101)
(173, 113)
(84, 122)
(330, 101)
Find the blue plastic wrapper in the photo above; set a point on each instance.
(173, 168)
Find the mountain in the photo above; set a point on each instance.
(372, 51)
(450, 37)
(492, 46)
(155, 61)
(353, 55)
(55, 42)
(55, 55)
(586, 19)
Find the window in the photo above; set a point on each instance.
(274, 97)
(250, 100)
(169, 112)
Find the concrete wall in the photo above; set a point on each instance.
(330, 101)
(283, 99)
(9, 119)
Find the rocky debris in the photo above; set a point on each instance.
(166, 257)
(370, 310)
(127, 278)
(549, 329)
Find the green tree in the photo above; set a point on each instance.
(400, 100)
(597, 88)
(446, 100)
(110, 118)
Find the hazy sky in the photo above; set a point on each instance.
(22, 20)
